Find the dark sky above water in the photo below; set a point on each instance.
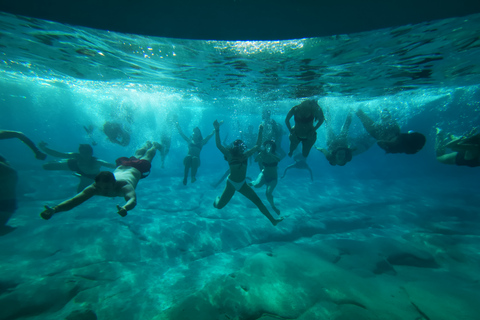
(240, 19)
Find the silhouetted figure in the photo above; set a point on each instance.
(466, 149)
(116, 133)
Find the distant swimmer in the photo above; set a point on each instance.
(300, 163)
(121, 183)
(116, 133)
(9, 179)
(237, 157)
(387, 133)
(465, 149)
(89, 130)
(195, 145)
(304, 131)
(82, 163)
(269, 175)
(272, 131)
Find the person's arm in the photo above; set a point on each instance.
(216, 126)
(289, 116)
(69, 204)
(107, 164)
(131, 198)
(258, 145)
(205, 140)
(324, 151)
(320, 117)
(54, 153)
(181, 133)
(4, 134)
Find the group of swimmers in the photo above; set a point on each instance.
(307, 118)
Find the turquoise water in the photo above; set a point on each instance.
(388, 236)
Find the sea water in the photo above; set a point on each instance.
(388, 236)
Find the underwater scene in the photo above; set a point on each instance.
(319, 178)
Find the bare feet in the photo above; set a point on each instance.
(277, 221)
(276, 210)
(194, 179)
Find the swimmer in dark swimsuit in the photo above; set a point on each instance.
(388, 135)
(195, 145)
(466, 149)
(237, 159)
(338, 152)
(83, 164)
(9, 179)
(269, 175)
(121, 183)
(304, 131)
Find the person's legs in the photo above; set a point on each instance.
(294, 142)
(227, 194)
(187, 162)
(368, 124)
(269, 193)
(195, 165)
(308, 144)
(252, 196)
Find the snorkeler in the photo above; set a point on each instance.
(466, 149)
(9, 179)
(121, 183)
(237, 159)
(304, 131)
(388, 135)
(300, 163)
(269, 175)
(82, 163)
(338, 150)
(116, 133)
(195, 145)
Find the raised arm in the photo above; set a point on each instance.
(218, 143)
(181, 132)
(4, 134)
(289, 116)
(69, 204)
(205, 140)
(54, 153)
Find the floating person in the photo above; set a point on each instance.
(9, 180)
(304, 131)
(237, 159)
(82, 163)
(272, 131)
(466, 149)
(195, 145)
(269, 175)
(116, 133)
(300, 163)
(121, 183)
(388, 135)
(338, 150)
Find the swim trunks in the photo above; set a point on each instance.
(140, 164)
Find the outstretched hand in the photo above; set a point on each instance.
(121, 211)
(217, 124)
(47, 213)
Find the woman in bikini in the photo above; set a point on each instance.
(268, 161)
(304, 131)
(195, 145)
(237, 159)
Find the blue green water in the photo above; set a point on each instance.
(388, 236)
